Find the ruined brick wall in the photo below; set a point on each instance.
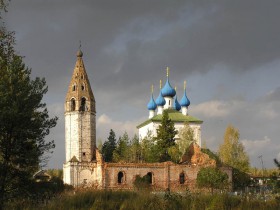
(164, 175)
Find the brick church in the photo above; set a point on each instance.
(84, 165)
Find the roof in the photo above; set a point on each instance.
(174, 115)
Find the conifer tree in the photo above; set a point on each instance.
(121, 153)
(165, 137)
(24, 121)
(109, 146)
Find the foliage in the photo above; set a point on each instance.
(211, 178)
(186, 137)
(135, 150)
(240, 179)
(121, 153)
(148, 149)
(141, 183)
(212, 155)
(143, 200)
(55, 173)
(165, 137)
(232, 151)
(109, 146)
(175, 153)
(24, 123)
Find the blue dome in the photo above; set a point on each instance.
(167, 90)
(152, 104)
(185, 101)
(160, 101)
(176, 104)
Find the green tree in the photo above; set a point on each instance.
(232, 151)
(24, 123)
(211, 178)
(165, 137)
(109, 146)
(148, 149)
(121, 153)
(135, 150)
(186, 137)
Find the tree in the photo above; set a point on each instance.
(277, 163)
(148, 149)
(186, 137)
(165, 137)
(211, 178)
(24, 123)
(232, 151)
(135, 150)
(121, 153)
(109, 146)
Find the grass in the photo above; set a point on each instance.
(107, 200)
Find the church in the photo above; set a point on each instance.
(84, 165)
(177, 112)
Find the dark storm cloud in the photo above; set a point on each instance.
(127, 45)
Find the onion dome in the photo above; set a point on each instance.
(160, 101)
(152, 104)
(79, 53)
(185, 101)
(168, 90)
(176, 104)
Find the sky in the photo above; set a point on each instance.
(227, 51)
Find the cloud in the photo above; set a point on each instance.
(105, 123)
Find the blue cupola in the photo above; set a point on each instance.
(152, 104)
(160, 101)
(168, 90)
(176, 104)
(185, 101)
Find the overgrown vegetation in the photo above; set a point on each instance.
(112, 200)
(24, 122)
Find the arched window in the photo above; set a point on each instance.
(150, 177)
(74, 88)
(83, 104)
(120, 177)
(73, 104)
(182, 178)
(83, 87)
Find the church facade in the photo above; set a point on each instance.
(84, 165)
(177, 112)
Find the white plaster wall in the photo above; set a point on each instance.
(153, 128)
(71, 135)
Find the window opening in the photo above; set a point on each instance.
(120, 177)
(150, 177)
(182, 178)
(73, 104)
(83, 87)
(83, 105)
(84, 154)
(74, 88)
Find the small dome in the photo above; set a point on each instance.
(167, 90)
(160, 101)
(79, 53)
(152, 104)
(176, 104)
(185, 101)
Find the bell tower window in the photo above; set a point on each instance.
(73, 104)
(74, 88)
(83, 87)
(83, 104)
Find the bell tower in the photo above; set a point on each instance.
(80, 114)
